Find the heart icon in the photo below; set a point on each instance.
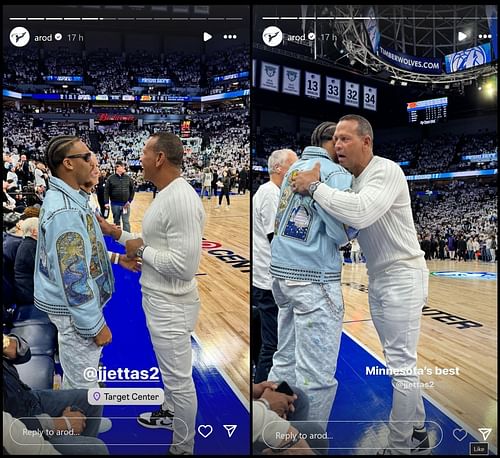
(459, 434)
(205, 430)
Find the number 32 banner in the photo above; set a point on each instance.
(351, 94)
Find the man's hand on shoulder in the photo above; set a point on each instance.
(302, 180)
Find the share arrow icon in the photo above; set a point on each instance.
(485, 432)
(230, 429)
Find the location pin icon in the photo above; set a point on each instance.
(97, 395)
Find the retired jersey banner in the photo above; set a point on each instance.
(269, 76)
(313, 84)
(351, 94)
(370, 98)
(332, 89)
(291, 81)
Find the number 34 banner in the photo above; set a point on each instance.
(370, 98)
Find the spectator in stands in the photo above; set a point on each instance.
(12, 178)
(70, 240)
(24, 265)
(40, 175)
(65, 417)
(23, 171)
(120, 189)
(9, 203)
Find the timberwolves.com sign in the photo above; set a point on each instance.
(467, 275)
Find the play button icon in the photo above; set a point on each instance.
(206, 36)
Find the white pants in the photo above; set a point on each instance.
(397, 296)
(170, 326)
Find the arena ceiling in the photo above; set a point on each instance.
(427, 31)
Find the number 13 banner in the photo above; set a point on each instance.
(370, 98)
(313, 84)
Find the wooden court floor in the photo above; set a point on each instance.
(471, 394)
(223, 328)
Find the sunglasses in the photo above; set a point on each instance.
(85, 156)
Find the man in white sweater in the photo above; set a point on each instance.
(379, 206)
(170, 249)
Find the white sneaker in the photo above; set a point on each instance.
(159, 419)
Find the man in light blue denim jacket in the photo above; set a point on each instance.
(306, 267)
(73, 277)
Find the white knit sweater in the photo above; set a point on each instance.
(172, 230)
(380, 207)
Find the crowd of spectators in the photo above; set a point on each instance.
(224, 133)
(106, 73)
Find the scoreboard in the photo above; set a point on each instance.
(427, 111)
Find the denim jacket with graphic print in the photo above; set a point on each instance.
(306, 240)
(73, 275)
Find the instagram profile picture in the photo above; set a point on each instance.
(19, 36)
(272, 36)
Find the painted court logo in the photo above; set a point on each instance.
(19, 36)
(467, 275)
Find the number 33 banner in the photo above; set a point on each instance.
(332, 89)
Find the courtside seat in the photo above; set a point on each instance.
(38, 372)
(34, 326)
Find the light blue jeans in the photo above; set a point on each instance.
(397, 296)
(309, 330)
